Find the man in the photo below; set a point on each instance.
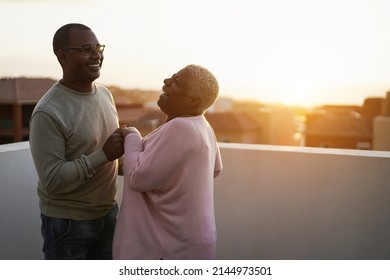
(75, 144)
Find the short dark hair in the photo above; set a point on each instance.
(61, 37)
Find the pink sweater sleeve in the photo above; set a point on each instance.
(218, 162)
(150, 162)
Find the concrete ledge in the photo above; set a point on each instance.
(275, 202)
(271, 202)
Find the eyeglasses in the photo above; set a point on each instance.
(87, 50)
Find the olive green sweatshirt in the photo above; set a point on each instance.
(67, 132)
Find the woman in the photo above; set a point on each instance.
(167, 210)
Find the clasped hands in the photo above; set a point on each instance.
(113, 147)
(124, 130)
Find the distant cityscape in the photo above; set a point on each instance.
(365, 126)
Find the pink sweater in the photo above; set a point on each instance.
(167, 209)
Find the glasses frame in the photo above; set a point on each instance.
(87, 49)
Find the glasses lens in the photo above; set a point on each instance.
(88, 50)
(100, 48)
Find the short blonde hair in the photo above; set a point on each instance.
(204, 86)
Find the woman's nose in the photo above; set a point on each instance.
(168, 81)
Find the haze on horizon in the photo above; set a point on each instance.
(292, 52)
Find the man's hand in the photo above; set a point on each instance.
(113, 147)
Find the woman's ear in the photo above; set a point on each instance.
(193, 103)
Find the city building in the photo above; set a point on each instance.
(18, 97)
(346, 127)
(381, 127)
(350, 127)
(234, 127)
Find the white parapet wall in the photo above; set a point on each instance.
(275, 202)
(271, 202)
(20, 236)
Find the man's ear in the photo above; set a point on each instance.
(61, 57)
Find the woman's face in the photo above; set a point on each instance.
(174, 100)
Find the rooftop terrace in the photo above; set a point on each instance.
(271, 202)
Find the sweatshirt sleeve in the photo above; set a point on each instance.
(148, 166)
(56, 173)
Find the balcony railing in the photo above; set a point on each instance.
(271, 202)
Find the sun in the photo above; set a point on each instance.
(298, 87)
(298, 92)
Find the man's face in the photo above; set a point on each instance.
(80, 67)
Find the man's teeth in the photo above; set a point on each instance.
(94, 65)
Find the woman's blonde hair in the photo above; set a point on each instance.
(204, 86)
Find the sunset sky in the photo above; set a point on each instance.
(307, 52)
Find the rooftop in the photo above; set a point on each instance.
(23, 90)
(271, 202)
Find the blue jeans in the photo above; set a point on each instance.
(65, 239)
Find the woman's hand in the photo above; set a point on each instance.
(127, 130)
